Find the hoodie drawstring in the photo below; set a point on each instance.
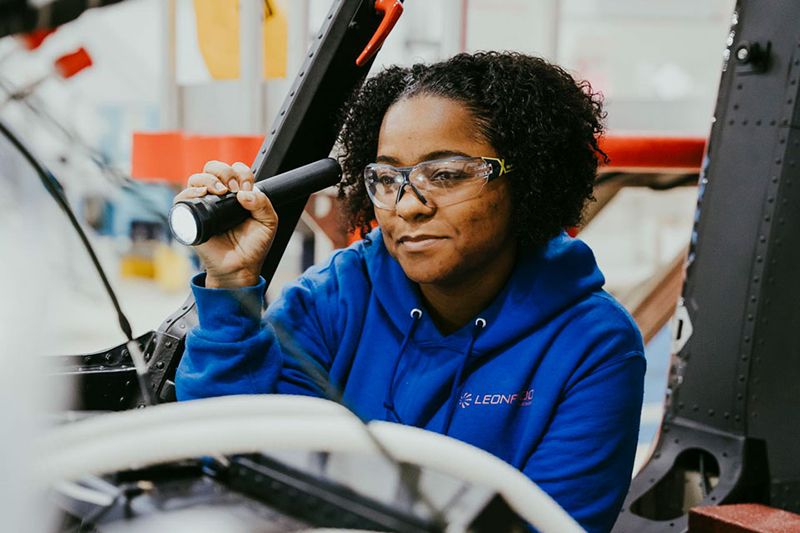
(388, 403)
(480, 323)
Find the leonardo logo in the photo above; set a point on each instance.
(465, 400)
(523, 399)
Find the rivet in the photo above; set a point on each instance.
(160, 365)
(183, 325)
(778, 161)
(710, 412)
(87, 359)
(108, 357)
(168, 344)
(737, 418)
(695, 407)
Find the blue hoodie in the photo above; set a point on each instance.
(549, 377)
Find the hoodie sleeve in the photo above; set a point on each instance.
(234, 350)
(585, 460)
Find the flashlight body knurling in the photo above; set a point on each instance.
(217, 214)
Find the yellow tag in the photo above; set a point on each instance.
(218, 36)
(276, 35)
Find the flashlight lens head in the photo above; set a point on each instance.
(183, 224)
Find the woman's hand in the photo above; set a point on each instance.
(234, 258)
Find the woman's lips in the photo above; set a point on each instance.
(419, 244)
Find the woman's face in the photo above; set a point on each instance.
(441, 245)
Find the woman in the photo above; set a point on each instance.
(467, 311)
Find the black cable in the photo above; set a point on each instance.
(56, 192)
(113, 175)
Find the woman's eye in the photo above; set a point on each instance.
(445, 175)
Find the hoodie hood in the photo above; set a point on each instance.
(560, 273)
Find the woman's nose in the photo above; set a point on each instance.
(409, 206)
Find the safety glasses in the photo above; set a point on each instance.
(436, 183)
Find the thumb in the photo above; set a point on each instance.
(259, 206)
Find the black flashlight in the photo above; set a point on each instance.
(196, 220)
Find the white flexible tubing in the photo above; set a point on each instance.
(77, 492)
(110, 445)
(171, 413)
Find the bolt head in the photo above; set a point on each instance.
(743, 53)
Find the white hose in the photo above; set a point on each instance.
(171, 413)
(77, 492)
(233, 425)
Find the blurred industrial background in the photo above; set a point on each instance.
(143, 79)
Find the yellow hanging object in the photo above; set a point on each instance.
(218, 36)
(276, 34)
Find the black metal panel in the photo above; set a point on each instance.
(305, 129)
(102, 381)
(733, 388)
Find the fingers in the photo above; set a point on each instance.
(244, 176)
(209, 181)
(189, 193)
(224, 172)
(259, 206)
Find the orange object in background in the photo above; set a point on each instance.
(34, 39)
(70, 64)
(174, 156)
(654, 153)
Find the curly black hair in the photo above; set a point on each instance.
(533, 113)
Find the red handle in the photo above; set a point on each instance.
(70, 64)
(391, 9)
(34, 39)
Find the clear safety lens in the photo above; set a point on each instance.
(442, 183)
